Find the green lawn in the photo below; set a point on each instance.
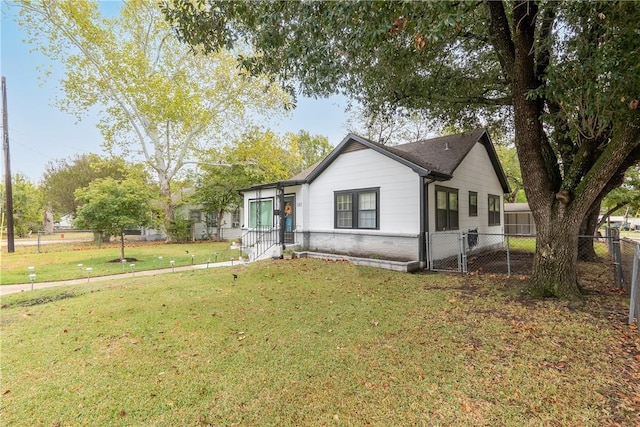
(62, 262)
(315, 343)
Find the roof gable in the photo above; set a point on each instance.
(436, 157)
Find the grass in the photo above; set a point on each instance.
(309, 342)
(61, 261)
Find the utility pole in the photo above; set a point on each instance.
(7, 169)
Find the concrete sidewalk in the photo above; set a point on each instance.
(12, 289)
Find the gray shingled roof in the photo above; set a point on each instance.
(442, 154)
(435, 157)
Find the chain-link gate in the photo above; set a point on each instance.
(446, 252)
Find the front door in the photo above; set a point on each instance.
(289, 219)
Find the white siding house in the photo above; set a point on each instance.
(370, 200)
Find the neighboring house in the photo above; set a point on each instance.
(518, 219)
(204, 224)
(369, 200)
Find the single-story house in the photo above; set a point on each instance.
(518, 219)
(389, 202)
(204, 224)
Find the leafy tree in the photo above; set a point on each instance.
(509, 159)
(309, 149)
(28, 207)
(63, 177)
(217, 190)
(110, 206)
(270, 157)
(397, 127)
(161, 101)
(626, 197)
(258, 156)
(563, 71)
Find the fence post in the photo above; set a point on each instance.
(463, 252)
(617, 261)
(634, 304)
(508, 257)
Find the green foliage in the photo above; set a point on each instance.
(63, 177)
(58, 261)
(179, 230)
(509, 159)
(110, 206)
(626, 197)
(28, 206)
(308, 149)
(160, 99)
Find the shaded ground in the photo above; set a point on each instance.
(602, 299)
(495, 262)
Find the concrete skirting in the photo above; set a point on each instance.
(402, 266)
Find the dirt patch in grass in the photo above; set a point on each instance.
(117, 260)
(40, 300)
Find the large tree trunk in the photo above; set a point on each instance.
(167, 205)
(220, 217)
(555, 260)
(554, 267)
(122, 245)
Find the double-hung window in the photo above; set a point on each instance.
(357, 209)
(494, 210)
(446, 209)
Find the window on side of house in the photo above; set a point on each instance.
(235, 218)
(211, 219)
(446, 209)
(494, 210)
(261, 213)
(357, 209)
(473, 203)
(195, 216)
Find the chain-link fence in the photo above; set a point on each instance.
(473, 252)
(628, 276)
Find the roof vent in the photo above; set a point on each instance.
(446, 146)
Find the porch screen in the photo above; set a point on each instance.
(261, 213)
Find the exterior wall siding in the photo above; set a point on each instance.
(399, 202)
(475, 173)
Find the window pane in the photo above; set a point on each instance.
(453, 201)
(344, 219)
(344, 212)
(266, 214)
(343, 202)
(453, 219)
(441, 219)
(367, 201)
(252, 213)
(441, 200)
(494, 210)
(473, 203)
(260, 213)
(367, 219)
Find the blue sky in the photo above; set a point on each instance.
(40, 133)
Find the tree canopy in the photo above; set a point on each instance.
(110, 206)
(64, 176)
(160, 100)
(28, 207)
(562, 73)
